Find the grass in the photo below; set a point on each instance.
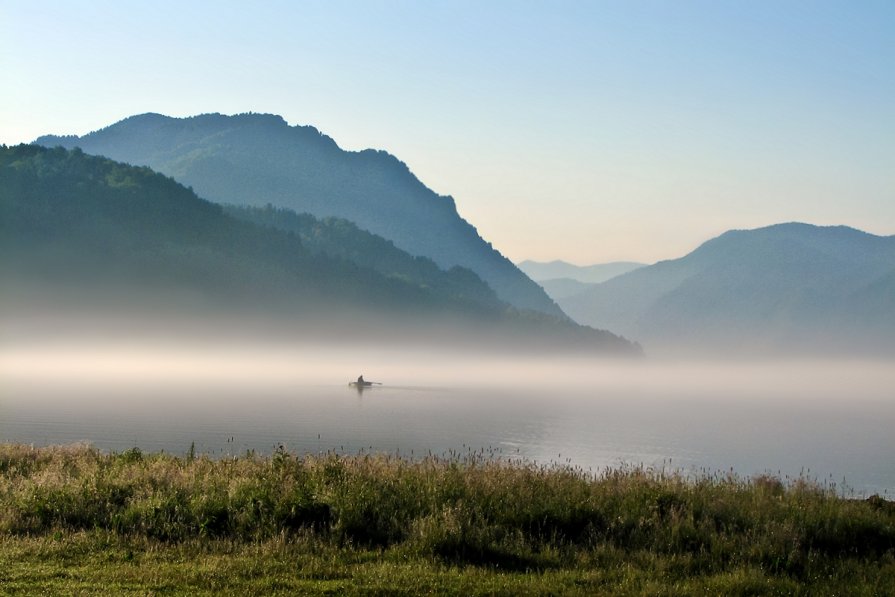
(74, 520)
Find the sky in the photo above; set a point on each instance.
(585, 131)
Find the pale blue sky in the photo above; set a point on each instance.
(587, 131)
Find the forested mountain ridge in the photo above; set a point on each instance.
(255, 159)
(76, 224)
(340, 238)
(68, 217)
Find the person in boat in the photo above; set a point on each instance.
(360, 380)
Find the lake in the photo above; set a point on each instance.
(830, 420)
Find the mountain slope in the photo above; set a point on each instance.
(589, 274)
(340, 238)
(82, 230)
(68, 217)
(784, 286)
(254, 159)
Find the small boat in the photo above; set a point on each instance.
(363, 383)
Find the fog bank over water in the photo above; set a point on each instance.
(826, 419)
(211, 361)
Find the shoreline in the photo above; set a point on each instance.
(378, 523)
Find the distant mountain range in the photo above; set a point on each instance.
(297, 221)
(788, 286)
(255, 159)
(76, 227)
(561, 279)
(588, 274)
(561, 288)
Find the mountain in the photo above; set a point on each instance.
(78, 230)
(70, 217)
(335, 237)
(589, 274)
(560, 288)
(561, 279)
(256, 159)
(784, 287)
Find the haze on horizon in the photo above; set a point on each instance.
(608, 131)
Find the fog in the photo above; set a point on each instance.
(239, 387)
(211, 360)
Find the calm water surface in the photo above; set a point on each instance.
(829, 421)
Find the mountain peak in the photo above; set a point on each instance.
(792, 286)
(801, 229)
(255, 159)
(784, 237)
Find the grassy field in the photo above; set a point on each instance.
(77, 521)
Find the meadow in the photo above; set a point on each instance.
(74, 519)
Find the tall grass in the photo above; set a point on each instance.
(462, 511)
